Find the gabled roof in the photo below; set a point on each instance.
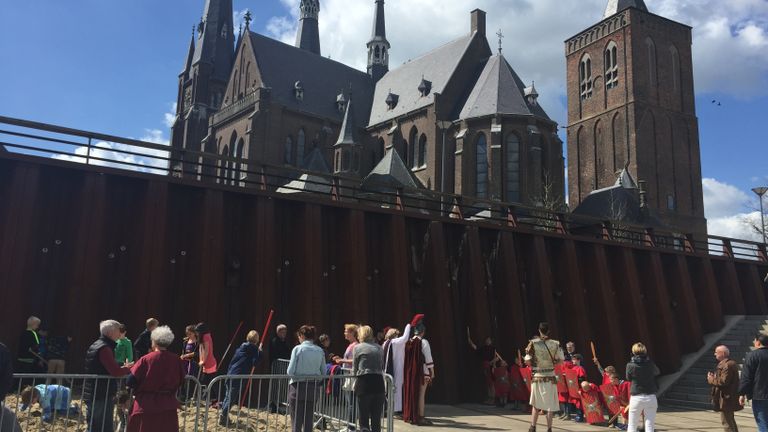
(390, 174)
(616, 6)
(499, 90)
(315, 162)
(436, 66)
(282, 65)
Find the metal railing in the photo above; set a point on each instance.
(228, 403)
(48, 141)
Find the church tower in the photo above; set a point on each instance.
(308, 37)
(378, 46)
(631, 102)
(202, 83)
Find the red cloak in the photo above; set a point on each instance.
(518, 384)
(593, 409)
(413, 380)
(500, 381)
(611, 397)
(527, 375)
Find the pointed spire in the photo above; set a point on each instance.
(216, 38)
(378, 46)
(190, 53)
(348, 135)
(616, 6)
(308, 36)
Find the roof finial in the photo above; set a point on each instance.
(501, 36)
(247, 19)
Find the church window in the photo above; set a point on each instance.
(224, 172)
(585, 77)
(413, 150)
(675, 68)
(481, 167)
(611, 66)
(651, 61)
(288, 151)
(224, 31)
(671, 202)
(345, 160)
(300, 144)
(513, 168)
(377, 52)
(423, 150)
(298, 91)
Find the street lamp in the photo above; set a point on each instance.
(760, 191)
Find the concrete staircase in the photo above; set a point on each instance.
(691, 390)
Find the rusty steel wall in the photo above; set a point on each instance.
(80, 244)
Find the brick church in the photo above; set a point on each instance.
(457, 119)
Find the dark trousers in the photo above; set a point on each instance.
(301, 406)
(729, 422)
(370, 409)
(760, 411)
(231, 396)
(100, 412)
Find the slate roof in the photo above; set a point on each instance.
(499, 90)
(282, 65)
(307, 183)
(436, 66)
(616, 6)
(348, 132)
(390, 174)
(315, 162)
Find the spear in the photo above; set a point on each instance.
(253, 368)
(231, 341)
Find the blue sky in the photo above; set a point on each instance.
(111, 66)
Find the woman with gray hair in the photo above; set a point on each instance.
(155, 379)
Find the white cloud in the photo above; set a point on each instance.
(169, 118)
(727, 210)
(534, 31)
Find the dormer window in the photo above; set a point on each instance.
(341, 102)
(298, 91)
(224, 31)
(392, 100)
(425, 87)
(531, 95)
(200, 29)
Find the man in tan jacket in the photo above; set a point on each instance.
(725, 388)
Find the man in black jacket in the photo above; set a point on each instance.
(754, 381)
(143, 343)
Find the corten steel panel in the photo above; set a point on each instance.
(728, 287)
(511, 319)
(545, 283)
(441, 329)
(607, 316)
(754, 295)
(478, 316)
(685, 311)
(667, 351)
(704, 288)
(570, 289)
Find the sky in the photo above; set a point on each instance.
(111, 66)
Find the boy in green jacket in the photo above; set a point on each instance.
(124, 348)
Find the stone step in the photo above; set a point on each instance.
(675, 403)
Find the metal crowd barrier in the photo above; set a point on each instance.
(327, 402)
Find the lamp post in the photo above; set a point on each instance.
(760, 191)
(444, 125)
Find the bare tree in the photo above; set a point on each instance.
(752, 223)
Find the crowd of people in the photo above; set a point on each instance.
(551, 381)
(155, 374)
(547, 380)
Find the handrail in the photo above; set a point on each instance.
(271, 178)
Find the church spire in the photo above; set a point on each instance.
(378, 46)
(216, 38)
(190, 54)
(308, 37)
(616, 6)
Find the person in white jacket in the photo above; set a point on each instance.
(395, 361)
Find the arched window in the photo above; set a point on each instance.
(238, 153)
(423, 150)
(224, 172)
(377, 52)
(481, 185)
(288, 151)
(337, 167)
(247, 77)
(413, 151)
(234, 88)
(611, 66)
(512, 153)
(585, 77)
(300, 143)
(675, 68)
(651, 61)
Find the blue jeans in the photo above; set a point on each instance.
(232, 391)
(100, 414)
(760, 410)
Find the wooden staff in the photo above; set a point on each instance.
(594, 351)
(44, 361)
(231, 341)
(253, 368)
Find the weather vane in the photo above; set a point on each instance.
(501, 36)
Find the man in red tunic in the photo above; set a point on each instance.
(419, 374)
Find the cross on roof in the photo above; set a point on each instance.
(247, 19)
(501, 36)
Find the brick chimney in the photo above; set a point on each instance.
(478, 21)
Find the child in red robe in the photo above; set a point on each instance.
(500, 382)
(518, 390)
(591, 403)
(581, 376)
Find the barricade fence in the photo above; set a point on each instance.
(228, 403)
